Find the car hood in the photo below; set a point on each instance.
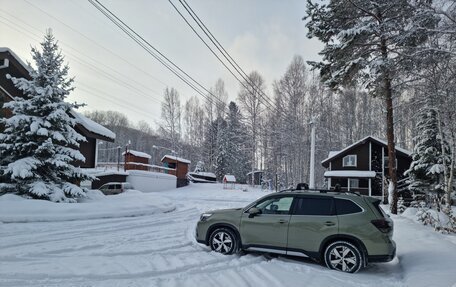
(225, 211)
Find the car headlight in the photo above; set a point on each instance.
(205, 216)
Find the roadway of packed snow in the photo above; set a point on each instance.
(159, 249)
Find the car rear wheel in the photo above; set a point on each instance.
(224, 241)
(343, 256)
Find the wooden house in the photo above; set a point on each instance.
(136, 160)
(11, 64)
(178, 167)
(363, 166)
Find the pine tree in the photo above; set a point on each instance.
(39, 142)
(375, 42)
(223, 152)
(239, 160)
(427, 169)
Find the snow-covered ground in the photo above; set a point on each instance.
(159, 249)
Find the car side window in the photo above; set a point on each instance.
(344, 206)
(276, 205)
(314, 206)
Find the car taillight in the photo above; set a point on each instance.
(382, 225)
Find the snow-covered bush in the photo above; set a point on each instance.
(401, 205)
(441, 219)
(39, 144)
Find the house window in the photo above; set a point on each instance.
(353, 183)
(386, 161)
(350, 160)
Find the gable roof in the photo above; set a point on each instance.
(179, 159)
(19, 60)
(97, 131)
(138, 154)
(332, 155)
(229, 178)
(88, 127)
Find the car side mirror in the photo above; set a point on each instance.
(254, 211)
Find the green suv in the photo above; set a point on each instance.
(343, 230)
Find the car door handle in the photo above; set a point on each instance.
(329, 223)
(283, 221)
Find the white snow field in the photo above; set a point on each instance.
(159, 249)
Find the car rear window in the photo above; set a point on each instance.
(344, 206)
(314, 206)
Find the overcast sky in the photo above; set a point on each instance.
(113, 73)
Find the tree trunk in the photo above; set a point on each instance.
(390, 130)
(391, 146)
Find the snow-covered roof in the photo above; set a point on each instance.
(333, 154)
(138, 154)
(256, 171)
(179, 159)
(5, 49)
(104, 172)
(229, 178)
(92, 126)
(350, 173)
(204, 173)
(403, 150)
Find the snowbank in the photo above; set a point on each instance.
(147, 181)
(14, 208)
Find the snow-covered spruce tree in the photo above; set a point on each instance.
(39, 143)
(223, 153)
(429, 160)
(239, 164)
(374, 42)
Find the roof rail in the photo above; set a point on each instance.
(320, 191)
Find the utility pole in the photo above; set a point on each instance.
(312, 156)
(118, 158)
(126, 154)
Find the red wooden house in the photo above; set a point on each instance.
(180, 168)
(136, 160)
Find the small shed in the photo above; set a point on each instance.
(177, 166)
(257, 177)
(229, 181)
(136, 160)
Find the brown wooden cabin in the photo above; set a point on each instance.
(180, 166)
(363, 166)
(11, 64)
(136, 160)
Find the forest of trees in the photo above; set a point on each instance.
(394, 77)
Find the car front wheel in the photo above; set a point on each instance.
(343, 256)
(223, 240)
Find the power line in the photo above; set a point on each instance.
(159, 56)
(100, 71)
(94, 42)
(222, 50)
(121, 103)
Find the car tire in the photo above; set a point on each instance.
(224, 240)
(343, 256)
